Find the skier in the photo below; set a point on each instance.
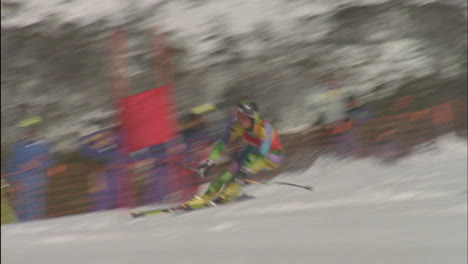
(263, 152)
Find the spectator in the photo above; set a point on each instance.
(195, 136)
(343, 138)
(356, 111)
(114, 189)
(325, 102)
(29, 160)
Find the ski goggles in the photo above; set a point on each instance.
(242, 110)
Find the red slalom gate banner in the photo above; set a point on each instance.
(147, 119)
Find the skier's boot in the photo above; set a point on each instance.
(231, 192)
(199, 201)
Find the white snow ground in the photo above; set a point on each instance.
(361, 212)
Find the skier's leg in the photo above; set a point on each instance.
(228, 175)
(217, 184)
(220, 182)
(213, 189)
(253, 162)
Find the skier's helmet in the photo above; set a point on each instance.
(249, 109)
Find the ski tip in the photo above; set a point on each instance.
(310, 188)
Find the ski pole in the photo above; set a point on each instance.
(307, 187)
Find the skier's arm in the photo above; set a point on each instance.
(266, 141)
(231, 133)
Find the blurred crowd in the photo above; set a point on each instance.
(156, 174)
(123, 180)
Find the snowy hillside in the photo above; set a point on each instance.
(55, 54)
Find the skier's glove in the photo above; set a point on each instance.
(205, 167)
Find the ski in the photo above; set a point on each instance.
(136, 214)
(216, 201)
(181, 209)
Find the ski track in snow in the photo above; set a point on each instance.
(414, 211)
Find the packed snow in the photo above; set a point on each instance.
(361, 211)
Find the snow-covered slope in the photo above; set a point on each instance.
(361, 212)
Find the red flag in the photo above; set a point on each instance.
(147, 118)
